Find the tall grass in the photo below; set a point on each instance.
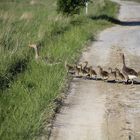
(28, 88)
(134, 0)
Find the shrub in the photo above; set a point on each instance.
(70, 7)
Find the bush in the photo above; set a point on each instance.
(70, 7)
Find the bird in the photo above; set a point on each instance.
(86, 67)
(46, 60)
(83, 71)
(35, 47)
(112, 73)
(119, 75)
(103, 74)
(69, 67)
(130, 73)
(139, 73)
(92, 72)
(77, 69)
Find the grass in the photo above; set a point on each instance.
(29, 88)
(134, 0)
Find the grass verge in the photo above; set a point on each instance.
(27, 104)
(134, 0)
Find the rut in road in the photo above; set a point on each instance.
(97, 110)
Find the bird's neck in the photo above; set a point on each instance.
(36, 53)
(81, 66)
(123, 58)
(65, 63)
(100, 70)
(85, 65)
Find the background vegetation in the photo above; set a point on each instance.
(28, 88)
(70, 7)
(134, 0)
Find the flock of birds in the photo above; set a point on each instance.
(125, 75)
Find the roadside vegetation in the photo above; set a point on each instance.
(28, 88)
(134, 0)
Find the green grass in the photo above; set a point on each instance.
(134, 0)
(28, 88)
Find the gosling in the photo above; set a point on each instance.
(78, 69)
(119, 75)
(103, 74)
(83, 71)
(92, 72)
(69, 67)
(86, 67)
(112, 74)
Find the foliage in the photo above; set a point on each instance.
(70, 7)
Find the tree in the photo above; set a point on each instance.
(70, 7)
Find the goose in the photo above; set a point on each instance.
(130, 73)
(83, 71)
(69, 67)
(103, 74)
(35, 47)
(77, 69)
(112, 73)
(92, 72)
(119, 75)
(46, 59)
(139, 73)
(86, 67)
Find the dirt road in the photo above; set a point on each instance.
(97, 110)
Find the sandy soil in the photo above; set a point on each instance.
(97, 110)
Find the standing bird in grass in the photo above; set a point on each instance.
(35, 47)
(38, 58)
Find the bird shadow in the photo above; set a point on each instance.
(135, 83)
(110, 81)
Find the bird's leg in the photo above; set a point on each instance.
(86, 76)
(78, 73)
(67, 72)
(104, 79)
(95, 77)
(126, 81)
(132, 82)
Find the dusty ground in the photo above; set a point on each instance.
(97, 110)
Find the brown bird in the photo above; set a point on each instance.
(83, 71)
(86, 67)
(119, 75)
(92, 72)
(139, 73)
(69, 67)
(130, 73)
(35, 47)
(112, 73)
(78, 69)
(103, 74)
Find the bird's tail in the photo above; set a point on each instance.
(139, 74)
